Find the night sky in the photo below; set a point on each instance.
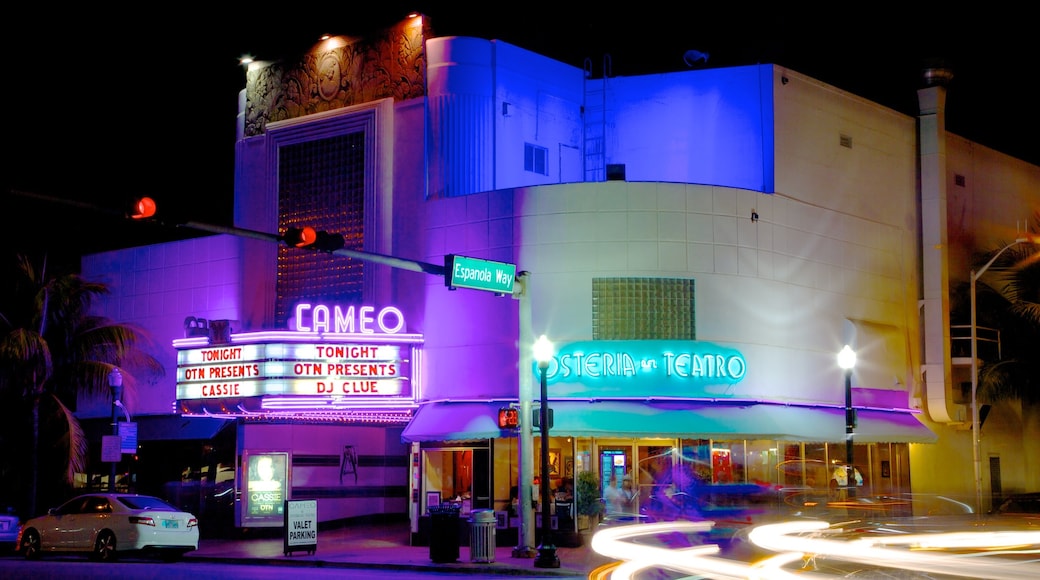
(146, 104)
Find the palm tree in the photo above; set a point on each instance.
(1009, 299)
(53, 350)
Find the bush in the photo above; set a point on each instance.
(589, 496)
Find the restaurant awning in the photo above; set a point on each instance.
(460, 421)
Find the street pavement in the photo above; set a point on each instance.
(385, 545)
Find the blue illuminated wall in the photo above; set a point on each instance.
(488, 99)
(711, 126)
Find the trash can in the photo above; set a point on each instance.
(444, 533)
(482, 536)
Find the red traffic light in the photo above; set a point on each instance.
(300, 237)
(308, 237)
(142, 208)
(508, 418)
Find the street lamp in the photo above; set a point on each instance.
(547, 558)
(115, 384)
(975, 435)
(847, 360)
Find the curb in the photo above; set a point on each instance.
(452, 567)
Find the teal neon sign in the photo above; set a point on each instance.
(644, 368)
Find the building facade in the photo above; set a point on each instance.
(698, 245)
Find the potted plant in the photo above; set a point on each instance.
(589, 498)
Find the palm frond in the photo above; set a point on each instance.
(75, 442)
(25, 359)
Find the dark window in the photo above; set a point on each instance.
(536, 159)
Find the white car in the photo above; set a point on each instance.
(106, 525)
(9, 526)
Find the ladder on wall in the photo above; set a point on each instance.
(594, 112)
(348, 464)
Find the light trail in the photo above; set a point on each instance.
(954, 554)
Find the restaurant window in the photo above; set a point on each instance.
(458, 476)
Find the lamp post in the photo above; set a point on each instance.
(847, 360)
(547, 557)
(975, 435)
(115, 384)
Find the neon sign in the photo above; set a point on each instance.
(364, 319)
(249, 370)
(644, 368)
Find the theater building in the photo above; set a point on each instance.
(698, 245)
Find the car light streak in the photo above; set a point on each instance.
(954, 554)
(785, 537)
(697, 560)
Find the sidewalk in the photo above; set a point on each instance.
(385, 545)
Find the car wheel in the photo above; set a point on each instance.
(31, 545)
(105, 547)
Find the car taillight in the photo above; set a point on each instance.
(192, 522)
(144, 521)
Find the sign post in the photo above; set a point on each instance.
(477, 274)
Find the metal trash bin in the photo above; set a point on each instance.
(482, 536)
(444, 533)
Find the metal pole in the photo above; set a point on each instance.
(976, 453)
(850, 427)
(847, 360)
(975, 457)
(525, 447)
(547, 557)
(115, 384)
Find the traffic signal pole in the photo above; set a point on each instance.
(413, 265)
(525, 452)
(394, 262)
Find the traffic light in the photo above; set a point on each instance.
(327, 242)
(300, 237)
(508, 418)
(308, 237)
(141, 208)
(536, 418)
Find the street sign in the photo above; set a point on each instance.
(477, 274)
(110, 451)
(128, 437)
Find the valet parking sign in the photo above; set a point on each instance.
(357, 353)
(301, 526)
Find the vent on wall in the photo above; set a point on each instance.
(845, 141)
(615, 172)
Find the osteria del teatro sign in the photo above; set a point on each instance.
(644, 368)
(333, 355)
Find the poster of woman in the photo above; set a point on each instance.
(266, 483)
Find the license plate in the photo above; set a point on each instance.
(171, 524)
